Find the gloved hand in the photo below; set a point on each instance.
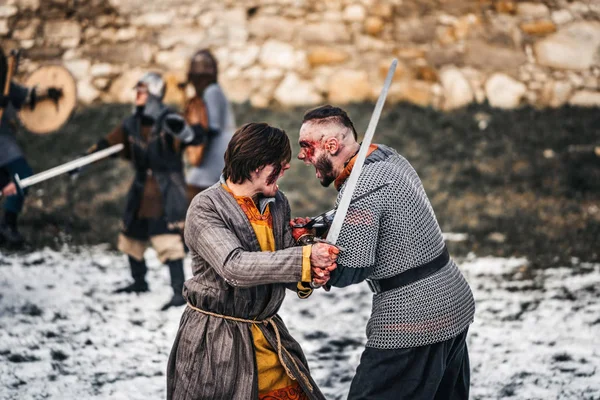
(174, 124)
(303, 235)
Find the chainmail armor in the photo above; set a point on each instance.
(392, 230)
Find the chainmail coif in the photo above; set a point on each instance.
(390, 231)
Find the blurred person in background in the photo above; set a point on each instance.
(231, 342)
(12, 159)
(211, 117)
(154, 137)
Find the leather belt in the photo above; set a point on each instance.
(410, 276)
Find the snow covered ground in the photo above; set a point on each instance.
(63, 335)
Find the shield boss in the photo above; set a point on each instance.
(48, 116)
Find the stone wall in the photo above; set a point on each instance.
(303, 52)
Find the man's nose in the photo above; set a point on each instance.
(301, 155)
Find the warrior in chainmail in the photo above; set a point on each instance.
(422, 305)
(210, 115)
(154, 137)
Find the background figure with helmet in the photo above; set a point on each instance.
(154, 137)
(211, 117)
(14, 97)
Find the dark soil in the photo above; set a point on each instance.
(495, 183)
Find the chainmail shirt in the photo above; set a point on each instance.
(388, 232)
(221, 119)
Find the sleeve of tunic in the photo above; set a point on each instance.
(302, 288)
(359, 237)
(116, 136)
(214, 105)
(209, 236)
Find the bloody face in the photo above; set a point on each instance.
(313, 152)
(265, 181)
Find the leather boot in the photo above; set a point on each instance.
(177, 279)
(9, 232)
(138, 272)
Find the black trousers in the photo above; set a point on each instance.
(437, 371)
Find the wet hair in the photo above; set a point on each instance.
(254, 146)
(327, 114)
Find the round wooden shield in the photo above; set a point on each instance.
(48, 115)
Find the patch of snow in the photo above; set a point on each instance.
(64, 335)
(455, 237)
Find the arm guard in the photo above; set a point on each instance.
(175, 125)
(203, 135)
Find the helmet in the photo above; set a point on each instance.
(155, 84)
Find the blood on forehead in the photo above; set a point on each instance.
(309, 146)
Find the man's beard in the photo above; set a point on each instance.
(325, 168)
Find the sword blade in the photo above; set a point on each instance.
(342, 209)
(320, 220)
(71, 165)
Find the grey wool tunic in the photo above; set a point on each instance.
(213, 358)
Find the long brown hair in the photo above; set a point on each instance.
(254, 146)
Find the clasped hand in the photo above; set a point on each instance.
(323, 260)
(9, 190)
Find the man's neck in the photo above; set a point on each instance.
(242, 189)
(347, 154)
(353, 150)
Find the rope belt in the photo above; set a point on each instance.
(280, 348)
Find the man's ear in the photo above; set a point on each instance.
(332, 145)
(254, 174)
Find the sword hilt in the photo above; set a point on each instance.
(17, 181)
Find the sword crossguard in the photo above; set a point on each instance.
(17, 181)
